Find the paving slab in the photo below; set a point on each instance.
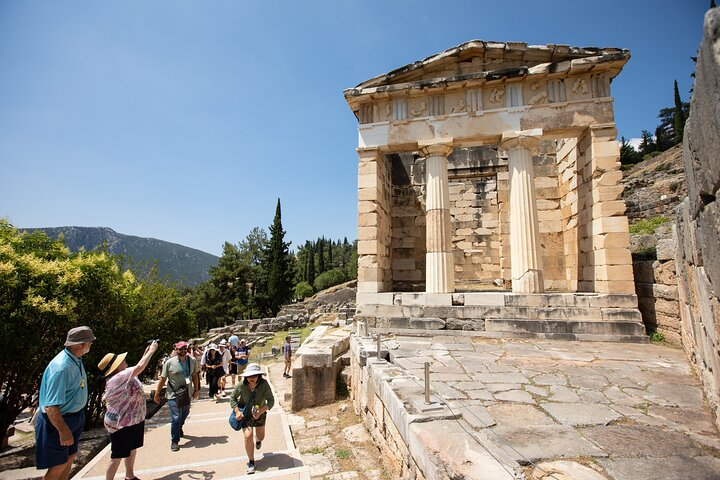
(628, 411)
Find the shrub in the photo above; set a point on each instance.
(648, 225)
(303, 290)
(330, 278)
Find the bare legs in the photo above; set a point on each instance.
(115, 463)
(60, 472)
(250, 442)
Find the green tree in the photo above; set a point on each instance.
(679, 116)
(628, 154)
(231, 277)
(303, 290)
(647, 143)
(275, 286)
(329, 279)
(45, 290)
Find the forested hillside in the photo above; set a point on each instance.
(184, 265)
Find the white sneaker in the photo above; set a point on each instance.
(250, 468)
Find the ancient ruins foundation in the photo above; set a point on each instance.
(489, 195)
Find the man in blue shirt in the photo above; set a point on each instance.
(63, 395)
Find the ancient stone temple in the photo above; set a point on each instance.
(489, 196)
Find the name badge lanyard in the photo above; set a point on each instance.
(79, 364)
(186, 370)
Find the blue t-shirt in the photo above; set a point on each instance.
(64, 384)
(242, 351)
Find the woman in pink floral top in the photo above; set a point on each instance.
(125, 409)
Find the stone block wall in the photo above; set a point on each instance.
(567, 191)
(657, 292)
(374, 222)
(605, 263)
(698, 218)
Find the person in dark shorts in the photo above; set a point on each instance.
(125, 409)
(63, 395)
(250, 400)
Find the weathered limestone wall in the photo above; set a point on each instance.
(657, 291)
(374, 222)
(605, 260)
(567, 191)
(408, 226)
(698, 219)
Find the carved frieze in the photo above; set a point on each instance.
(556, 91)
(418, 108)
(580, 86)
(496, 96)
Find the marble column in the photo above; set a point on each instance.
(439, 267)
(525, 252)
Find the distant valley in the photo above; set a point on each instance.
(183, 265)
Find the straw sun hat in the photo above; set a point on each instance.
(111, 362)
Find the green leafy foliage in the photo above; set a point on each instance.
(336, 276)
(303, 290)
(45, 290)
(648, 226)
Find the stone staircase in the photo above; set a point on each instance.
(565, 316)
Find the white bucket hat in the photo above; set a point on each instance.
(252, 369)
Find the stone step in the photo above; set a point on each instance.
(565, 327)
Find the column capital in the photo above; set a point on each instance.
(521, 139)
(440, 146)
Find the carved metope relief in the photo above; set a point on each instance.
(538, 96)
(580, 86)
(418, 108)
(497, 94)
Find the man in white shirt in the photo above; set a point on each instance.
(226, 358)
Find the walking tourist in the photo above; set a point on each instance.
(125, 409)
(213, 366)
(250, 400)
(226, 360)
(181, 374)
(233, 364)
(63, 395)
(242, 356)
(287, 353)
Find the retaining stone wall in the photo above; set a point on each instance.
(698, 219)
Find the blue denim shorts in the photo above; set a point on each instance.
(48, 451)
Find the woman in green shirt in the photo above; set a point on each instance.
(250, 400)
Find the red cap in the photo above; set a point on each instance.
(181, 344)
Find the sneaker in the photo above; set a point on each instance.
(174, 447)
(250, 468)
(258, 444)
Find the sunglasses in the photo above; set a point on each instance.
(182, 348)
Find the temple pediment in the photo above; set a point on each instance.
(480, 61)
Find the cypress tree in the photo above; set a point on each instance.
(330, 255)
(320, 250)
(679, 118)
(712, 4)
(277, 268)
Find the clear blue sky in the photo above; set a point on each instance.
(186, 120)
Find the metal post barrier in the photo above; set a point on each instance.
(378, 347)
(427, 383)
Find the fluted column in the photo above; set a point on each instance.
(525, 254)
(439, 268)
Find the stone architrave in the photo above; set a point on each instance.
(525, 256)
(439, 275)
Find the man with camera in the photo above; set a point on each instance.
(182, 375)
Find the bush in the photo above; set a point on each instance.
(303, 290)
(330, 278)
(648, 225)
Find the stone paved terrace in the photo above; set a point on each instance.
(627, 411)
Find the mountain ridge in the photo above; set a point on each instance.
(180, 264)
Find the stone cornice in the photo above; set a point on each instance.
(491, 51)
(610, 62)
